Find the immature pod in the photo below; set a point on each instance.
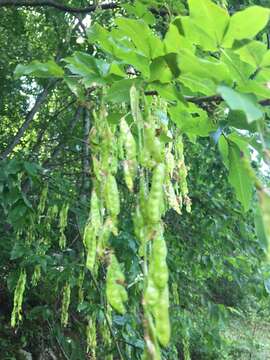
(36, 275)
(173, 200)
(18, 299)
(130, 163)
(95, 216)
(80, 287)
(155, 199)
(112, 196)
(90, 243)
(42, 201)
(152, 143)
(91, 337)
(158, 269)
(62, 225)
(65, 305)
(162, 319)
(152, 350)
(151, 295)
(115, 291)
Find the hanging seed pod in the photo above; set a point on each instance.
(63, 216)
(90, 243)
(80, 287)
(91, 337)
(152, 350)
(36, 275)
(95, 216)
(42, 201)
(62, 225)
(65, 305)
(18, 299)
(186, 347)
(155, 199)
(115, 290)
(112, 196)
(104, 236)
(152, 143)
(62, 241)
(170, 163)
(162, 319)
(173, 200)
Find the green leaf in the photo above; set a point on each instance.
(119, 92)
(246, 24)
(244, 102)
(196, 35)
(224, 150)
(209, 69)
(239, 177)
(160, 71)
(174, 41)
(252, 53)
(238, 120)
(38, 69)
(212, 19)
(146, 43)
(191, 120)
(240, 71)
(141, 11)
(198, 84)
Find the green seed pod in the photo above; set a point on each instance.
(155, 199)
(80, 287)
(152, 143)
(115, 291)
(162, 320)
(90, 243)
(151, 296)
(112, 196)
(172, 198)
(18, 299)
(91, 337)
(42, 201)
(95, 216)
(130, 164)
(65, 305)
(62, 241)
(36, 275)
(152, 350)
(63, 217)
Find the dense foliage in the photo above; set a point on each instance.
(134, 149)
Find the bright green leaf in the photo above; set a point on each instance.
(244, 102)
(246, 24)
(239, 177)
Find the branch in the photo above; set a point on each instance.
(29, 118)
(199, 100)
(58, 6)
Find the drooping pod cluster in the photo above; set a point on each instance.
(152, 162)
